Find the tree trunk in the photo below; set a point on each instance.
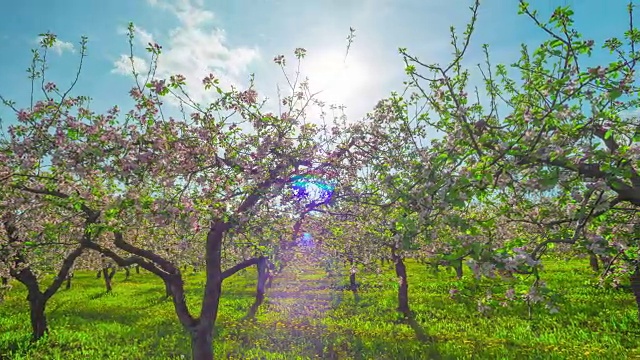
(37, 304)
(202, 333)
(127, 272)
(458, 267)
(635, 287)
(68, 279)
(403, 289)
(263, 275)
(37, 299)
(593, 262)
(137, 269)
(269, 281)
(352, 282)
(352, 277)
(107, 278)
(202, 342)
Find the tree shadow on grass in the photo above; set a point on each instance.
(99, 295)
(422, 336)
(125, 316)
(18, 345)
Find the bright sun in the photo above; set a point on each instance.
(339, 80)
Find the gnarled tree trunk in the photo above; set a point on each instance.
(38, 299)
(200, 329)
(202, 333)
(403, 289)
(108, 276)
(37, 303)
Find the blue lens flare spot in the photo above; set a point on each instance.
(312, 189)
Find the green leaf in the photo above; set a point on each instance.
(614, 94)
(73, 134)
(556, 43)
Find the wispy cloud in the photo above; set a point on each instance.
(59, 46)
(195, 48)
(122, 66)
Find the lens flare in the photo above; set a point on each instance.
(312, 189)
(306, 240)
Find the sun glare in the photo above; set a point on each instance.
(338, 78)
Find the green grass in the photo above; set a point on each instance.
(308, 317)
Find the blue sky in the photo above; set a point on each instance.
(235, 38)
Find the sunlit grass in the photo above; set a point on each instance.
(308, 317)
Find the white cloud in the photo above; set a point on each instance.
(196, 48)
(62, 46)
(59, 46)
(122, 66)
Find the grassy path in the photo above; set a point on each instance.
(301, 297)
(301, 291)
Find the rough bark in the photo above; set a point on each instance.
(202, 342)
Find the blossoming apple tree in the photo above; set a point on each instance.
(564, 135)
(205, 172)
